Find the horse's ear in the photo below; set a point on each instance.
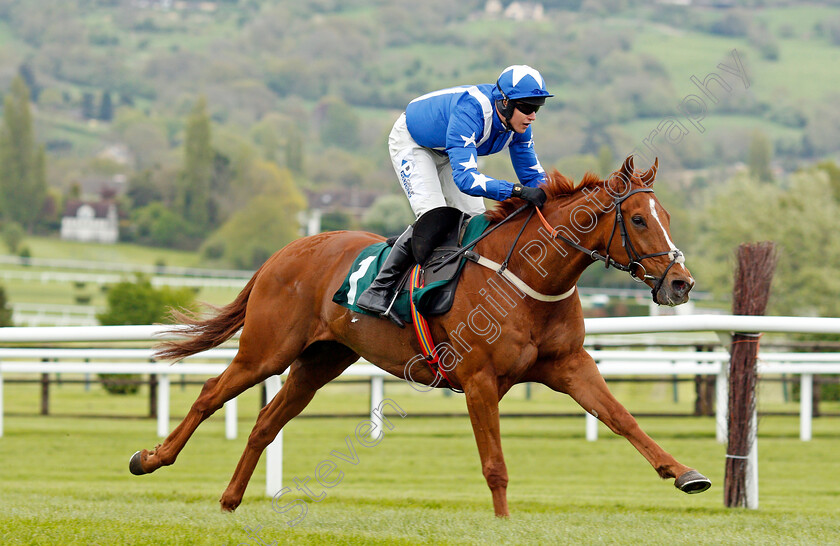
(622, 180)
(627, 168)
(650, 174)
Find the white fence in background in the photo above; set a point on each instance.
(213, 362)
(129, 268)
(49, 276)
(33, 314)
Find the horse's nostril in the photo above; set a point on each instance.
(680, 287)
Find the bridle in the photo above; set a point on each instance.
(634, 266)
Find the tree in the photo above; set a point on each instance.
(606, 163)
(339, 123)
(88, 108)
(193, 192)
(5, 311)
(12, 234)
(801, 220)
(760, 154)
(138, 302)
(28, 75)
(156, 225)
(833, 171)
(264, 225)
(142, 189)
(293, 150)
(106, 108)
(389, 215)
(23, 179)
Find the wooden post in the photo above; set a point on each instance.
(754, 274)
(153, 395)
(45, 393)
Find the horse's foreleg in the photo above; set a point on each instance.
(305, 378)
(482, 395)
(239, 376)
(578, 376)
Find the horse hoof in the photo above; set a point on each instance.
(228, 507)
(692, 482)
(134, 465)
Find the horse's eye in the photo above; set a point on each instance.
(639, 221)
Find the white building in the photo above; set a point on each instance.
(90, 222)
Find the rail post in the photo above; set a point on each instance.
(377, 394)
(163, 405)
(45, 392)
(153, 394)
(806, 406)
(722, 403)
(231, 419)
(1, 404)
(274, 451)
(591, 427)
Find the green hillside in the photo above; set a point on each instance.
(300, 97)
(255, 59)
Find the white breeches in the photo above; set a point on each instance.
(425, 175)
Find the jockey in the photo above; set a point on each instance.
(434, 148)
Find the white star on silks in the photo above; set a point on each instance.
(480, 180)
(471, 164)
(521, 70)
(469, 140)
(538, 168)
(531, 143)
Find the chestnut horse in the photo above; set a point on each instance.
(289, 320)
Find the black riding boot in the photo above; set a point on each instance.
(377, 298)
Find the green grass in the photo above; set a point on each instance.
(54, 248)
(86, 139)
(691, 53)
(64, 293)
(800, 19)
(642, 128)
(64, 480)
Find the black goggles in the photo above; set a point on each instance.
(526, 108)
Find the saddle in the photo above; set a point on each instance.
(437, 235)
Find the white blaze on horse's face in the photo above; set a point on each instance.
(680, 258)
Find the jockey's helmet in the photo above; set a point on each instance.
(519, 83)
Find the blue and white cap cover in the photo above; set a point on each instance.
(520, 82)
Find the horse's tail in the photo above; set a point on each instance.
(207, 333)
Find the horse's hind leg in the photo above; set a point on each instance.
(250, 366)
(578, 376)
(239, 376)
(315, 368)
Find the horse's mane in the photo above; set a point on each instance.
(557, 185)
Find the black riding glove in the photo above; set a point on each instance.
(532, 195)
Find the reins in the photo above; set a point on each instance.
(634, 267)
(466, 247)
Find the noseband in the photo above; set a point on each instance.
(634, 266)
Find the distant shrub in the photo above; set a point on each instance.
(139, 302)
(12, 234)
(120, 383)
(338, 220)
(829, 392)
(5, 310)
(733, 24)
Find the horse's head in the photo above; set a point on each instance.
(641, 235)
